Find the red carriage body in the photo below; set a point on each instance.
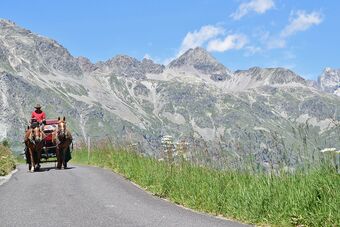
(49, 149)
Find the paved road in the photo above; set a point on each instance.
(88, 196)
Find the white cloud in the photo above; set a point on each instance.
(198, 38)
(275, 42)
(301, 21)
(251, 50)
(234, 41)
(289, 54)
(258, 6)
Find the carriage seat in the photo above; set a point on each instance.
(50, 126)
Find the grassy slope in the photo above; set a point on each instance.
(311, 199)
(7, 162)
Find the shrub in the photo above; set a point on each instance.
(5, 143)
(7, 161)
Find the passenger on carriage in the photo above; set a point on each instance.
(38, 117)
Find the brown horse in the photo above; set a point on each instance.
(34, 141)
(62, 138)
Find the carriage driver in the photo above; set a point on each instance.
(38, 116)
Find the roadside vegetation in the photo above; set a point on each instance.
(7, 161)
(305, 197)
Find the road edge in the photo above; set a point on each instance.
(217, 216)
(4, 179)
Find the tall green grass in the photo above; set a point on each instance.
(7, 161)
(285, 199)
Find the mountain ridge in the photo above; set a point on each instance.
(198, 54)
(193, 98)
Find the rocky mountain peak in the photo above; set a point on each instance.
(194, 57)
(85, 64)
(5, 22)
(271, 76)
(122, 65)
(150, 67)
(10, 29)
(255, 70)
(124, 60)
(329, 81)
(282, 75)
(330, 72)
(126, 66)
(27, 52)
(201, 60)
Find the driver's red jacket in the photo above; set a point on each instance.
(39, 116)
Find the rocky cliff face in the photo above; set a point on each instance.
(24, 51)
(329, 81)
(194, 98)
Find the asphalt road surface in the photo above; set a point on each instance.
(88, 196)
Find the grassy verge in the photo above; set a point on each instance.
(7, 161)
(311, 199)
(19, 159)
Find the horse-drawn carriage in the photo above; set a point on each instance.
(49, 150)
(49, 142)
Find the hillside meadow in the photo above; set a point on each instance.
(305, 197)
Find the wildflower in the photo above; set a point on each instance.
(169, 147)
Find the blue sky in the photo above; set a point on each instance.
(300, 35)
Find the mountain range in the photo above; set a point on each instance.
(263, 111)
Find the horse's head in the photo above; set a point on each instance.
(62, 128)
(34, 135)
(37, 134)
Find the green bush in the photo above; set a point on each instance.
(299, 199)
(7, 161)
(5, 143)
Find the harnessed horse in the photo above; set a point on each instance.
(34, 141)
(62, 138)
